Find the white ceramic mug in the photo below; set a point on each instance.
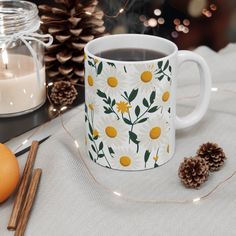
(130, 106)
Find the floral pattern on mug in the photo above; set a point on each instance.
(131, 125)
(125, 158)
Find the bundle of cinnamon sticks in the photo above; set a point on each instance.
(26, 193)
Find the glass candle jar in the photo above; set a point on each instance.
(22, 71)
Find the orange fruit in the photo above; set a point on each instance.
(9, 172)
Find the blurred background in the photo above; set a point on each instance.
(189, 23)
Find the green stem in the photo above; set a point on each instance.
(97, 152)
(92, 117)
(106, 159)
(138, 118)
(161, 71)
(114, 112)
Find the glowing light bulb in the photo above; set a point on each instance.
(76, 144)
(24, 142)
(196, 199)
(117, 193)
(63, 108)
(121, 10)
(214, 89)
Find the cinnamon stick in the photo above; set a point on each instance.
(29, 200)
(20, 197)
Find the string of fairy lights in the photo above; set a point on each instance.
(77, 146)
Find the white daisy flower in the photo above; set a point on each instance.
(126, 159)
(164, 94)
(163, 153)
(112, 81)
(112, 131)
(153, 134)
(92, 103)
(145, 78)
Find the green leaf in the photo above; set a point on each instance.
(101, 94)
(91, 156)
(160, 64)
(127, 121)
(170, 68)
(113, 103)
(90, 57)
(99, 70)
(93, 148)
(166, 65)
(133, 95)
(109, 100)
(95, 138)
(85, 108)
(153, 109)
(90, 63)
(125, 69)
(111, 150)
(86, 118)
(90, 137)
(155, 165)
(145, 102)
(168, 78)
(137, 111)
(101, 155)
(146, 156)
(90, 128)
(152, 97)
(133, 137)
(107, 110)
(169, 110)
(106, 101)
(100, 146)
(111, 64)
(142, 120)
(161, 77)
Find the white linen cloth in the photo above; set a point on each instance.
(69, 203)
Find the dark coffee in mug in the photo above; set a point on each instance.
(131, 54)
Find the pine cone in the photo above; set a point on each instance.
(193, 171)
(72, 23)
(63, 93)
(213, 154)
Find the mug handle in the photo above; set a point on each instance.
(205, 89)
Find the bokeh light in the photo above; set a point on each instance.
(157, 12)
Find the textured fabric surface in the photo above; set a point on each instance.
(70, 203)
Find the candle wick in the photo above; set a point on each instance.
(6, 66)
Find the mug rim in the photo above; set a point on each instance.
(97, 40)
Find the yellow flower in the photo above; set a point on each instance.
(95, 133)
(123, 107)
(91, 106)
(155, 158)
(95, 60)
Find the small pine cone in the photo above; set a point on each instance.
(193, 171)
(63, 93)
(72, 24)
(213, 154)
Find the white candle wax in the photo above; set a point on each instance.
(20, 89)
